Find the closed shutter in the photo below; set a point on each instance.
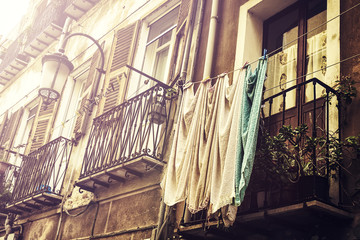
(81, 118)
(41, 130)
(88, 94)
(183, 12)
(186, 7)
(125, 41)
(112, 93)
(9, 132)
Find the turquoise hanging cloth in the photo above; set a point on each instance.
(248, 127)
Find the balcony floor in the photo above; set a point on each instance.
(301, 218)
(35, 202)
(136, 167)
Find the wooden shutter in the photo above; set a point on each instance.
(9, 131)
(124, 39)
(123, 53)
(112, 93)
(185, 12)
(88, 95)
(81, 118)
(41, 130)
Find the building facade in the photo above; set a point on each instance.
(96, 163)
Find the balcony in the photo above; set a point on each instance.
(40, 180)
(296, 192)
(77, 8)
(127, 140)
(13, 60)
(46, 28)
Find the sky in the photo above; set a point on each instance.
(11, 12)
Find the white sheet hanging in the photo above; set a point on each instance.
(201, 166)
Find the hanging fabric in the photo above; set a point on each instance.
(200, 169)
(248, 128)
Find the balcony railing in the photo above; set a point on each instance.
(271, 189)
(42, 171)
(306, 176)
(135, 129)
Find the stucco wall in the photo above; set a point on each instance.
(225, 45)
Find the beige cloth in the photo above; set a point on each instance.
(201, 166)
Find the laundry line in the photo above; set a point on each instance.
(278, 49)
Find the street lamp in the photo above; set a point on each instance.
(56, 68)
(55, 71)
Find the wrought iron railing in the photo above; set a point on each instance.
(131, 130)
(53, 13)
(43, 170)
(266, 191)
(14, 51)
(279, 181)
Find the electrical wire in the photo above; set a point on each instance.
(280, 48)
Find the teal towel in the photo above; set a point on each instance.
(248, 128)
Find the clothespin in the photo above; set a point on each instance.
(245, 65)
(264, 55)
(222, 75)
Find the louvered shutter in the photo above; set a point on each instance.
(81, 118)
(185, 10)
(41, 131)
(88, 94)
(124, 39)
(9, 132)
(112, 93)
(124, 42)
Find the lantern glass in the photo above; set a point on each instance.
(56, 69)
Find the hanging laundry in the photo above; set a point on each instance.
(200, 169)
(224, 146)
(249, 126)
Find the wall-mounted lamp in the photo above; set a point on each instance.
(56, 69)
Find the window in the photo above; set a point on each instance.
(24, 132)
(157, 39)
(305, 39)
(160, 37)
(297, 38)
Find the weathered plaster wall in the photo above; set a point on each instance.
(225, 45)
(350, 45)
(43, 229)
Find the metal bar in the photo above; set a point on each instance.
(317, 81)
(283, 110)
(150, 77)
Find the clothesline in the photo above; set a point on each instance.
(292, 80)
(276, 50)
(246, 64)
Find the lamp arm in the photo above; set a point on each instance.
(101, 70)
(93, 40)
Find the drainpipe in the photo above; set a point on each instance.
(211, 39)
(198, 36)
